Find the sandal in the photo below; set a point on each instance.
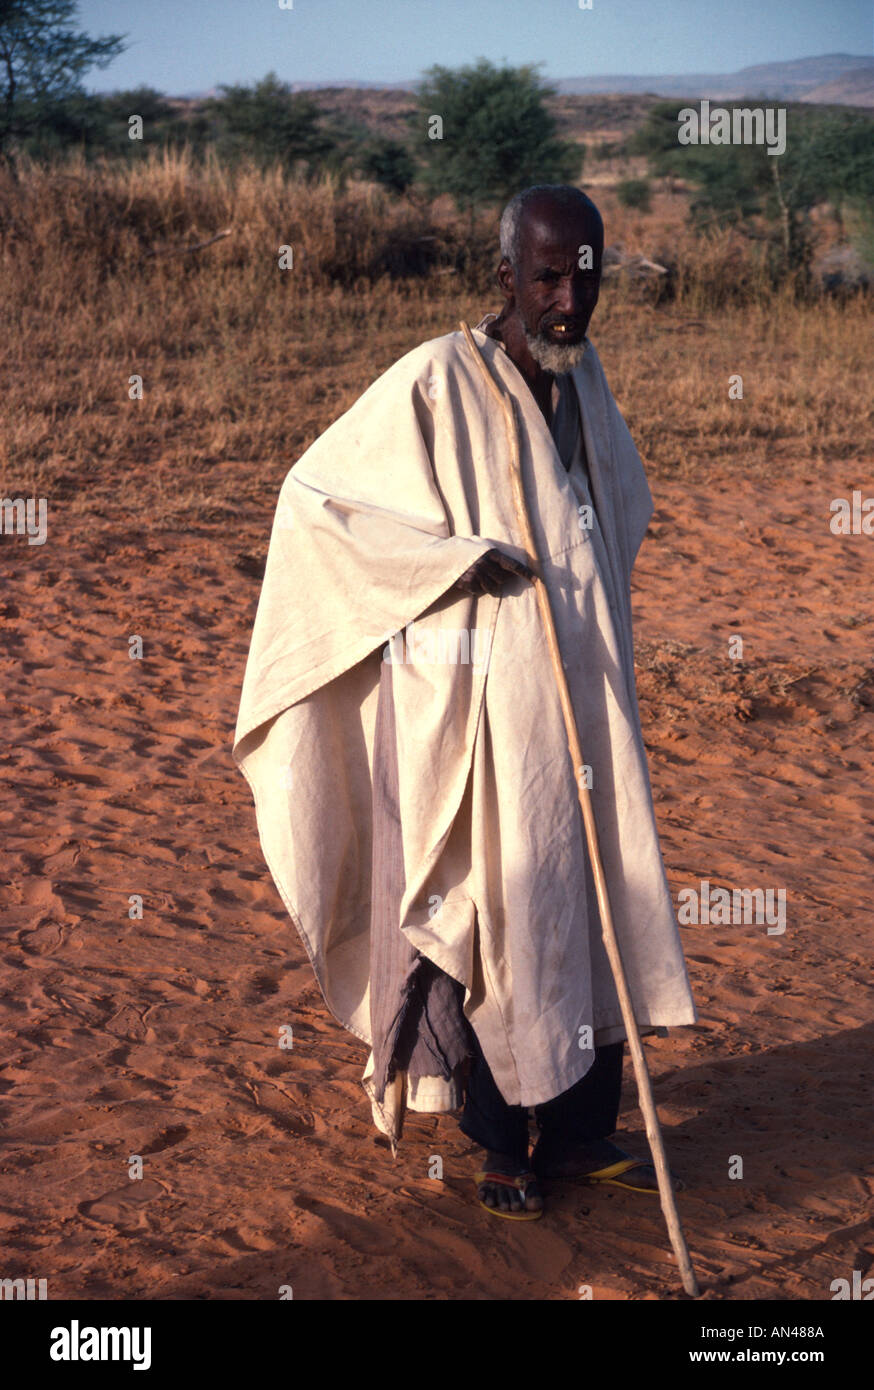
(609, 1175)
(521, 1183)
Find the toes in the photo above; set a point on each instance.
(510, 1199)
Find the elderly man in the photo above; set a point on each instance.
(401, 730)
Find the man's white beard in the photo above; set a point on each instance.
(553, 357)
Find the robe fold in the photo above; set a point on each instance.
(374, 525)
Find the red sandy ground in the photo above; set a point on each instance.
(159, 1037)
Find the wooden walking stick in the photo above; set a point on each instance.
(608, 931)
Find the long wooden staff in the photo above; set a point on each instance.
(608, 931)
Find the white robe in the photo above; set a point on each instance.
(374, 524)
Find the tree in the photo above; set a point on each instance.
(829, 156)
(485, 133)
(270, 122)
(43, 60)
(99, 125)
(387, 162)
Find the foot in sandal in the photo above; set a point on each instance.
(507, 1187)
(595, 1161)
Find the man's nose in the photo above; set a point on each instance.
(573, 297)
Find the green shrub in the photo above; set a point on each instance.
(634, 193)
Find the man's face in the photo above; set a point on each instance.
(556, 283)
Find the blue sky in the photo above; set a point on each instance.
(184, 46)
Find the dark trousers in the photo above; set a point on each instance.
(589, 1110)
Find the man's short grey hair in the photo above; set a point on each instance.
(564, 196)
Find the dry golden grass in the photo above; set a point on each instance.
(245, 364)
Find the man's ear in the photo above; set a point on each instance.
(506, 279)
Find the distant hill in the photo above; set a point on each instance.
(600, 118)
(387, 111)
(603, 111)
(845, 76)
(853, 89)
(834, 78)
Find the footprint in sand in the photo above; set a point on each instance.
(125, 1207)
(264, 983)
(174, 1134)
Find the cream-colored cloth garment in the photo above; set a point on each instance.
(374, 525)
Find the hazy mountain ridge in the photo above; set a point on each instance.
(835, 78)
(849, 79)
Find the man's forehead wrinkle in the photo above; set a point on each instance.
(548, 233)
(551, 252)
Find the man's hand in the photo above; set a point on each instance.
(489, 573)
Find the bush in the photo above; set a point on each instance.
(389, 163)
(496, 134)
(634, 193)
